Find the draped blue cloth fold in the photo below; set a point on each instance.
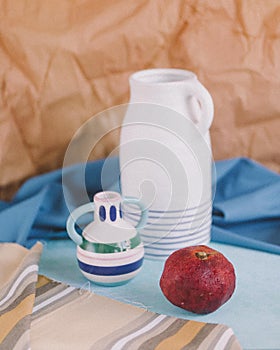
(246, 207)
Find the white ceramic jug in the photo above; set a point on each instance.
(165, 158)
(110, 251)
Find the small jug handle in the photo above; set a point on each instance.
(144, 212)
(72, 219)
(205, 113)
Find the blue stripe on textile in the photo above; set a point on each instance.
(110, 270)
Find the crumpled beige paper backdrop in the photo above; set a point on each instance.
(64, 61)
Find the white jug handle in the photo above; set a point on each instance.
(202, 113)
(72, 219)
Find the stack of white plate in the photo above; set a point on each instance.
(169, 230)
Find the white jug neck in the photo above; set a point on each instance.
(107, 207)
(152, 84)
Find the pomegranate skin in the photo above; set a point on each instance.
(198, 279)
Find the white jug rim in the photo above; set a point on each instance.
(161, 76)
(107, 197)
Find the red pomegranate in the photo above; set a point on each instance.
(198, 279)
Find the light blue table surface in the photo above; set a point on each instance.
(253, 312)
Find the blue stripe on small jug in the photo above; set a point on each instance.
(110, 270)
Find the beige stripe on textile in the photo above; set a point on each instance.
(67, 318)
(19, 272)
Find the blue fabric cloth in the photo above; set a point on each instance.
(246, 210)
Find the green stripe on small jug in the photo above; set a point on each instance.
(115, 247)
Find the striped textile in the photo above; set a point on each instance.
(53, 315)
(18, 277)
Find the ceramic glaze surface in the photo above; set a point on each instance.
(166, 158)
